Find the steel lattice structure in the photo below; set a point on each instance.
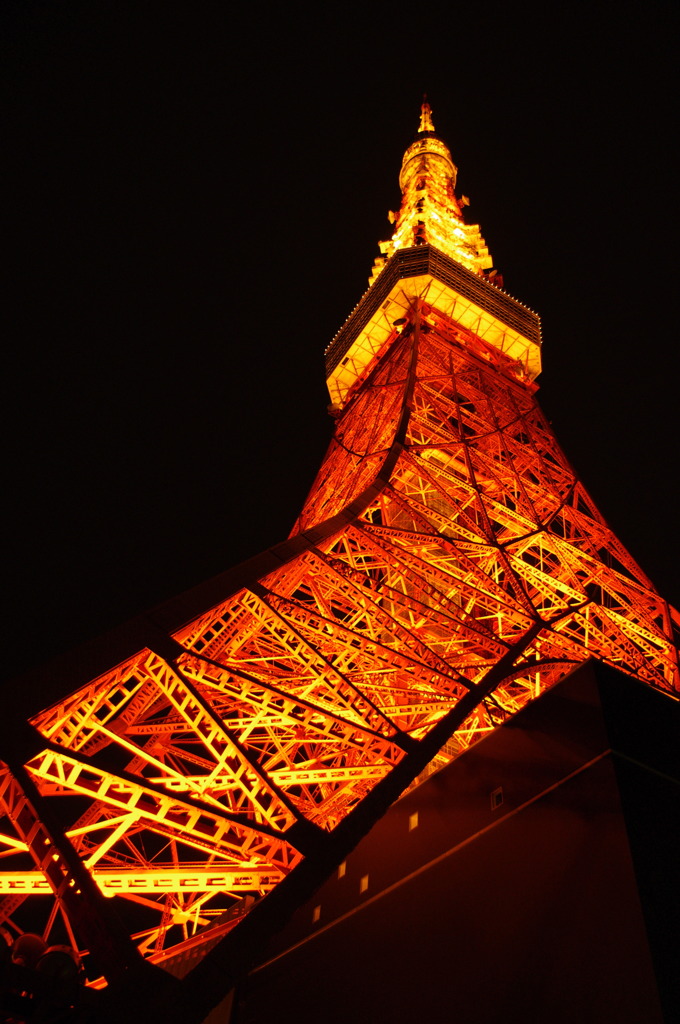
(447, 561)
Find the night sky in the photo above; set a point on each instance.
(195, 199)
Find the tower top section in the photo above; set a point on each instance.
(437, 260)
(431, 213)
(426, 152)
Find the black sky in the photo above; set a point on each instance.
(197, 196)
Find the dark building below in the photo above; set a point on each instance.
(534, 879)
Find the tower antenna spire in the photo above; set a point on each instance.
(426, 124)
(430, 211)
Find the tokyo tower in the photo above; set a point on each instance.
(447, 568)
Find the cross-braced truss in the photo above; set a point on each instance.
(445, 532)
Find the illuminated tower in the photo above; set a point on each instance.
(447, 567)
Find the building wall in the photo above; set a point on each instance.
(549, 901)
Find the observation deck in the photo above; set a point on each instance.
(466, 298)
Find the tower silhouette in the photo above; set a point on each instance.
(447, 567)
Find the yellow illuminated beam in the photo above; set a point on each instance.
(111, 882)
